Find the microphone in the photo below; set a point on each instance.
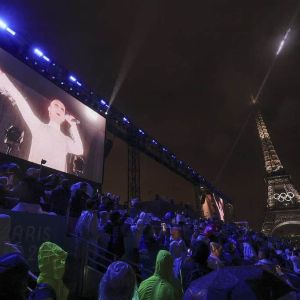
(74, 120)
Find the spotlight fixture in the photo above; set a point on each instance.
(72, 78)
(38, 52)
(125, 120)
(4, 26)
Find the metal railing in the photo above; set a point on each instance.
(94, 261)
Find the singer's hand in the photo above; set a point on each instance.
(70, 119)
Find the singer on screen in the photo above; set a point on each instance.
(48, 141)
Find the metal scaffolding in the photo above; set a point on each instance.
(134, 190)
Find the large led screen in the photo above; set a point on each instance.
(213, 206)
(40, 122)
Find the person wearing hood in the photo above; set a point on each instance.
(118, 282)
(248, 251)
(5, 246)
(161, 285)
(87, 224)
(52, 261)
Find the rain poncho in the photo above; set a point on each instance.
(118, 282)
(178, 248)
(162, 285)
(248, 251)
(77, 186)
(5, 246)
(87, 226)
(52, 260)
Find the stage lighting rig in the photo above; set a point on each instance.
(40, 54)
(125, 120)
(4, 26)
(72, 78)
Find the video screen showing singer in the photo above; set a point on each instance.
(48, 142)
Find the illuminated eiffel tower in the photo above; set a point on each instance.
(283, 204)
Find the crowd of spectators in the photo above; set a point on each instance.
(169, 257)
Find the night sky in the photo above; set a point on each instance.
(191, 68)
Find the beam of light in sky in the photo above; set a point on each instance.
(283, 42)
(146, 15)
(255, 99)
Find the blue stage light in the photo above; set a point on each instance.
(141, 131)
(173, 156)
(38, 52)
(78, 83)
(10, 31)
(165, 149)
(47, 59)
(3, 25)
(154, 142)
(72, 78)
(105, 105)
(125, 120)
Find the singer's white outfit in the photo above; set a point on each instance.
(54, 148)
(48, 141)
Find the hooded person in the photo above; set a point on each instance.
(118, 282)
(52, 260)
(5, 246)
(161, 285)
(13, 276)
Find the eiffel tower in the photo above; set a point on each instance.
(283, 204)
